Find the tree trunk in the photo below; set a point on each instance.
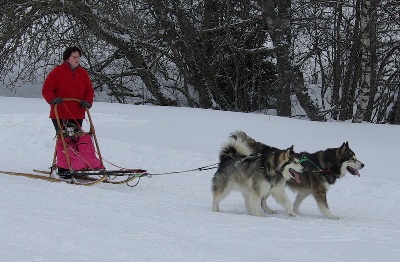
(276, 15)
(352, 71)
(396, 119)
(364, 94)
(372, 25)
(306, 103)
(337, 70)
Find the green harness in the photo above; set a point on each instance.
(304, 159)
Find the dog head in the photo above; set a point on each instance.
(348, 160)
(291, 166)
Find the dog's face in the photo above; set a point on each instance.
(292, 166)
(348, 160)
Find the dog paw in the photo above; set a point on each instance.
(257, 214)
(270, 211)
(330, 216)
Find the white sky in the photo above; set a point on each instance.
(168, 217)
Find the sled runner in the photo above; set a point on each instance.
(77, 158)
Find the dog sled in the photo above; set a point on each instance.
(78, 155)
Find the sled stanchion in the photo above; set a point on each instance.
(92, 130)
(53, 165)
(62, 138)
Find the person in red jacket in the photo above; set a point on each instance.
(68, 80)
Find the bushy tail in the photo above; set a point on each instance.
(240, 135)
(236, 145)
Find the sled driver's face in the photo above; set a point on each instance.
(74, 59)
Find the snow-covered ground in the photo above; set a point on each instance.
(168, 217)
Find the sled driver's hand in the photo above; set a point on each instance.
(56, 101)
(85, 104)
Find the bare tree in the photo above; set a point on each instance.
(161, 52)
(353, 56)
(244, 55)
(277, 16)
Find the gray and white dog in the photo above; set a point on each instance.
(322, 169)
(254, 175)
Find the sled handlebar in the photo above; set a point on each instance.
(71, 99)
(78, 101)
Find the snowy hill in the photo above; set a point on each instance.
(168, 217)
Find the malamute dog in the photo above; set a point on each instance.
(255, 176)
(322, 168)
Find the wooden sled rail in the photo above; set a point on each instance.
(85, 178)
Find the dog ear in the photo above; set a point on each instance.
(289, 149)
(288, 152)
(343, 148)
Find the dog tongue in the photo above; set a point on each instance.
(353, 171)
(296, 176)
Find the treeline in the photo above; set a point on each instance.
(333, 60)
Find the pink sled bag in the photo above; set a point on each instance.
(81, 153)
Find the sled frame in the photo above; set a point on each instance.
(61, 135)
(89, 177)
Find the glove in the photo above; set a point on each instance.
(56, 101)
(85, 104)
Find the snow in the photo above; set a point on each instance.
(168, 217)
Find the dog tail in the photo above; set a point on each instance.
(240, 135)
(235, 146)
(252, 145)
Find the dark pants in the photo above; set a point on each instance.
(67, 122)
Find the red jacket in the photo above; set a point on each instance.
(64, 82)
